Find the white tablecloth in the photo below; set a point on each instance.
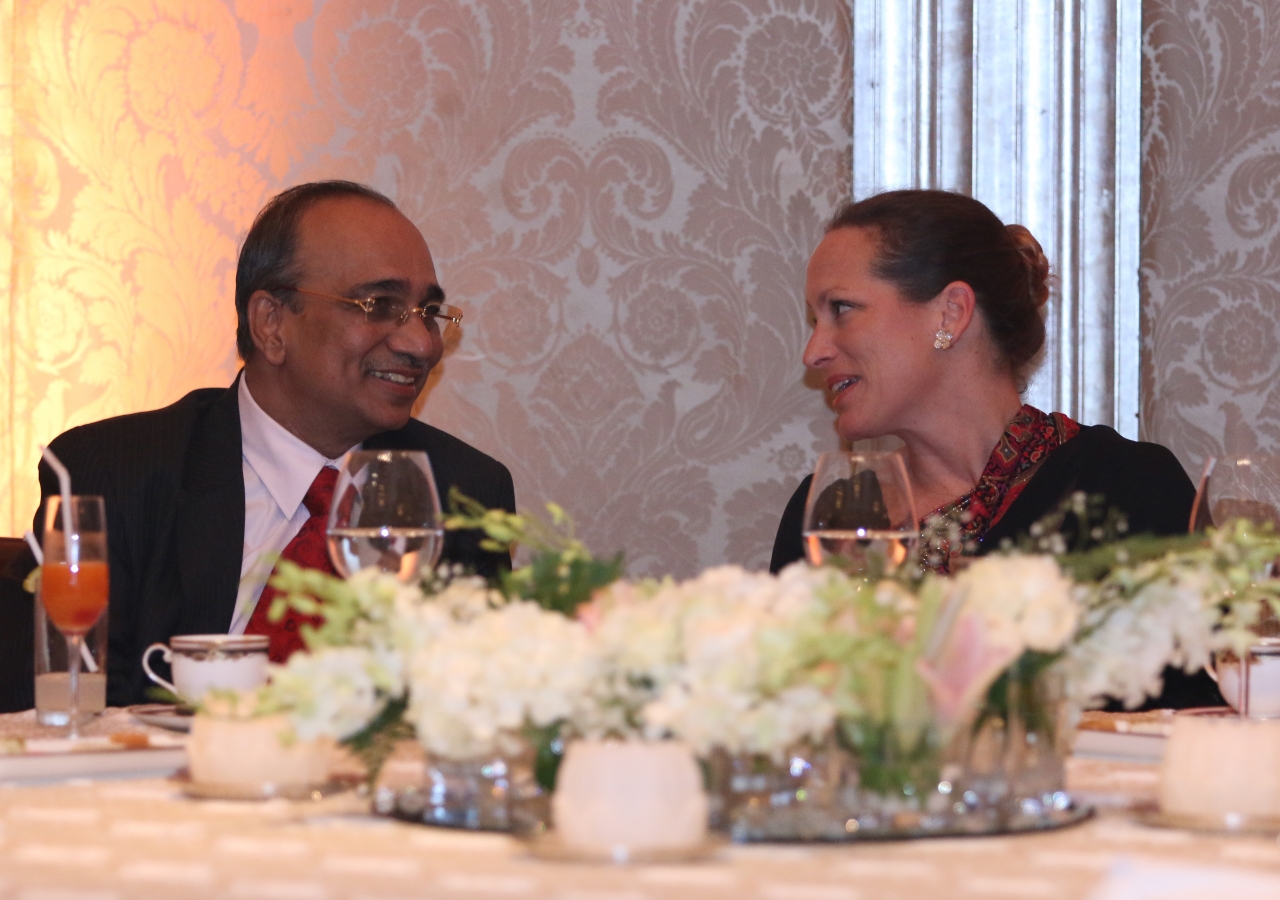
(126, 839)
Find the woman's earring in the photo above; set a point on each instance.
(942, 340)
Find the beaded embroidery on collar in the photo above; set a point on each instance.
(1026, 443)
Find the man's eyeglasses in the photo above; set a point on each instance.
(385, 310)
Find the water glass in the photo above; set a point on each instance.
(860, 514)
(385, 513)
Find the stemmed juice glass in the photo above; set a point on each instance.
(385, 513)
(1242, 488)
(860, 514)
(73, 580)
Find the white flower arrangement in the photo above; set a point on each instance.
(748, 662)
(712, 661)
(481, 680)
(1175, 608)
(334, 692)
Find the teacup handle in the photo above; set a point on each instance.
(146, 665)
(1239, 688)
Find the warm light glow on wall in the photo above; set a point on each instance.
(621, 195)
(6, 265)
(139, 153)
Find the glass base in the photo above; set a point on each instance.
(60, 717)
(816, 795)
(492, 794)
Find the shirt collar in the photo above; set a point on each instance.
(284, 463)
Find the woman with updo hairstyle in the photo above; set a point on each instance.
(928, 319)
(927, 316)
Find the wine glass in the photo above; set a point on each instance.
(1246, 488)
(73, 580)
(1242, 488)
(385, 513)
(860, 514)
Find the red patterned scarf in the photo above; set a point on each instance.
(1026, 443)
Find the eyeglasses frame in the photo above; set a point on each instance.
(443, 310)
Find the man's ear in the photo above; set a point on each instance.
(958, 306)
(266, 320)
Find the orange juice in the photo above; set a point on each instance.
(74, 598)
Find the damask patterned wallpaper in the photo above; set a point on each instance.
(1211, 227)
(622, 196)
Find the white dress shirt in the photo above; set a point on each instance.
(278, 469)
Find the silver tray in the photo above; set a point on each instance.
(549, 846)
(920, 826)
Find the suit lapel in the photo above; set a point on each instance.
(209, 524)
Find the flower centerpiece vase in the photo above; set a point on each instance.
(494, 792)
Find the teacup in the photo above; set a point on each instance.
(204, 661)
(1264, 680)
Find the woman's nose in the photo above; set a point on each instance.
(818, 352)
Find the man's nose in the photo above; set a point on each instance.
(417, 337)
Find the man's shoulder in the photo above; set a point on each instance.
(418, 435)
(159, 421)
(152, 437)
(454, 462)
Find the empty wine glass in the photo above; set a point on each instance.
(860, 514)
(73, 580)
(1243, 488)
(385, 513)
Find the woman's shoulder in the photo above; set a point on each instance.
(1142, 480)
(1119, 456)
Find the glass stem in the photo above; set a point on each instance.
(73, 698)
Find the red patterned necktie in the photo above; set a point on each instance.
(309, 550)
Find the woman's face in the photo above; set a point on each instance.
(873, 349)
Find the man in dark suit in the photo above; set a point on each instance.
(339, 323)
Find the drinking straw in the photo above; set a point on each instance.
(64, 485)
(35, 546)
(39, 555)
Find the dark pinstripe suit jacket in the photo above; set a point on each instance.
(174, 488)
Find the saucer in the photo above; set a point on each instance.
(163, 715)
(213, 790)
(548, 845)
(1228, 823)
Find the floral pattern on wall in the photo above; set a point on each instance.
(1211, 228)
(622, 196)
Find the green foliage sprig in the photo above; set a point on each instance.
(561, 575)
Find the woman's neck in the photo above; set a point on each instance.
(946, 459)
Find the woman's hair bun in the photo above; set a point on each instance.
(1037, 264)
(925, 240)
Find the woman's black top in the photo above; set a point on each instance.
(1144, 481)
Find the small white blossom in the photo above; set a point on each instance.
(485, 676)
(335, 692)
(1025, 597)
(709, 660)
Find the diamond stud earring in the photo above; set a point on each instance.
(942, 340)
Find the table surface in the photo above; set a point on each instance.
(142, 838)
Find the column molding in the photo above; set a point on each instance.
(1033, 107)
